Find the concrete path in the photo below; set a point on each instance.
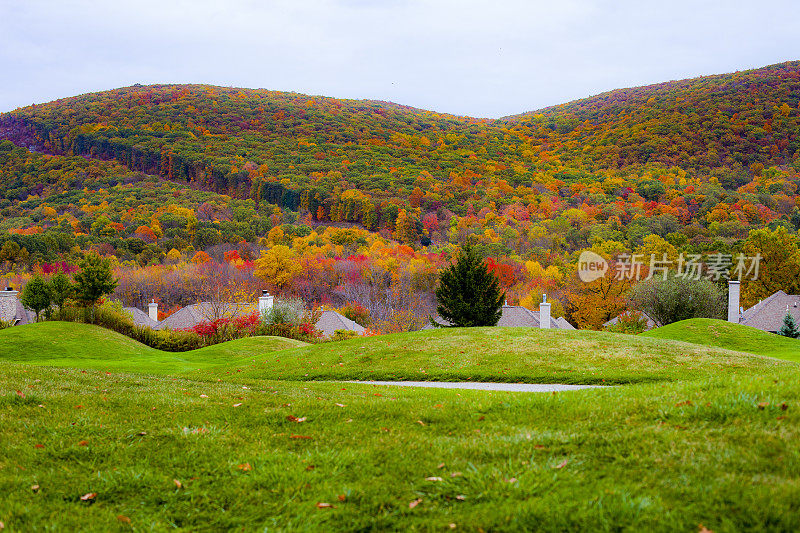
(509, 387)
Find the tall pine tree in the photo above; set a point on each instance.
(469, 294)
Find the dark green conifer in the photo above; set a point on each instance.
(469, 294)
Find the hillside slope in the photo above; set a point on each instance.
(718, 333)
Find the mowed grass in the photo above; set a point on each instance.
(705, 331)
(68, 344)
(708, 436)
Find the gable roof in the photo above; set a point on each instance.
(516, 316)
(768, 314)
(140, 318)
(331, 321)
(191, 315)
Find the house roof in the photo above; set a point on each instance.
(768, 314)
(191, 315)
(330, 322)
(12, 310)
(516, 316)
(140, 318)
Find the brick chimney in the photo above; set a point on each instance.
(153, 311)
(265, 302)
(544, 313)
(733, 301)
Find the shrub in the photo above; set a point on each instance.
(630, 322)
(678, 298)
(357, 313)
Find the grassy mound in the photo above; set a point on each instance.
(718, 333)
(473, 354)
(69, 344)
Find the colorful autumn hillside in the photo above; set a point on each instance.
(153, 175)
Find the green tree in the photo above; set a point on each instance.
(789, 327)
(61, 289)
(469, 294)
(94, 280)
(678, 298)
(36, 295)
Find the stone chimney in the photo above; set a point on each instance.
(733, 301)
(544, 313)
(153, 311)
(9, 293)
(265, 302)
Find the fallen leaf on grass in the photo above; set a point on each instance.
(562, 464)
(203, 396)
(421, 423)
(341, 497)
(456, 474)
(237, 404)
(20, 394)
(124, 519)
(292, 418)
(89, 496)
(784, 407)
(703, 529)
(178, 484)
(414, 503)
(339, 404)
(441, 465)
(309, 468)
(511, 480)
(35, 488)
(83, 443)
(323, 505)
(452, 526)
(78, 407)
(433, 478)
(300, 437)
(763, 405)
(686, 402)
(38, 445)
(2, 525)
(461, 497)
(244, 467)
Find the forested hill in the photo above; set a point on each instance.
(361, 161)
(728, 125)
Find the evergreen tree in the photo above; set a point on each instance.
(36, 295)
(94, 281)
(789, 327)
(469, 294)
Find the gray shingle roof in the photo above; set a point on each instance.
(516, 316)
(768, 314)
(331, 321)
(140, 318)
(191, 315)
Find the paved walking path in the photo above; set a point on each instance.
(509, 387)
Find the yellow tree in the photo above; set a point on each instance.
(405, 229)
(278, 266)
(778, 267)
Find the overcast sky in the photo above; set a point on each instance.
(486, 59)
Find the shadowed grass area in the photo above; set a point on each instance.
(709, 332)
(86, 346)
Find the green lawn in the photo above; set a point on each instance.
(699, 435)
(705, 331)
